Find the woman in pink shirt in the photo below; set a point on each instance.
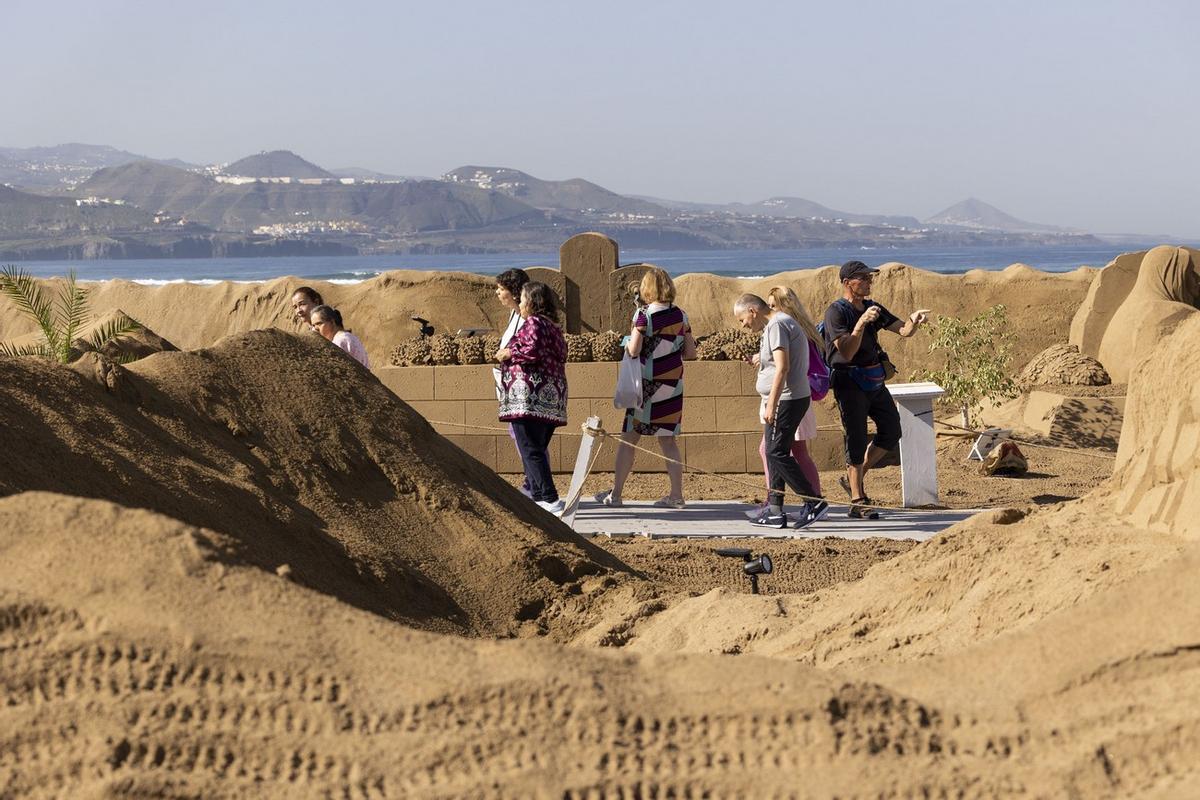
(328, 322)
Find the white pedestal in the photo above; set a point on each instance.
(918, 449)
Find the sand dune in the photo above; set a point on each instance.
(434, 635)
(301, 455)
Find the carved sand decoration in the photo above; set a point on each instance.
(250, 576)
(1166, 290)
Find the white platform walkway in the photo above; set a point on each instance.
(726, 519)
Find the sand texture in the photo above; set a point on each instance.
(249, 570)
(379, 310)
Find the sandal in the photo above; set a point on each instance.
(669, 502)
(859, 509)
(606, 498)
(845, 484)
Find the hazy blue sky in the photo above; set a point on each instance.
(1071, 113)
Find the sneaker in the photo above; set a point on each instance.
(768, 520)
(606, 498)
(755, 512)
(669, 502)
(555, 507)
(805, 517)
(862, 511)
(817, 510)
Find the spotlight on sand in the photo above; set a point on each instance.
(751, 566)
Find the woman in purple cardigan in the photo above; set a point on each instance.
(534, 382)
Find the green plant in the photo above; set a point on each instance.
(977, 356)
(59, 320)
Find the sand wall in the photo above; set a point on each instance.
(1040, 304)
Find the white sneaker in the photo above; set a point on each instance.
(606, 498)
(556, 508)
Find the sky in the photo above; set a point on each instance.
(1081, 114)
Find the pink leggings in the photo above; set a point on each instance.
(800, 453)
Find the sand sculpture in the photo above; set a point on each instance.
(1063, 364)
(237, 581)
(242, 584)
(1157, 484)
(1125, 325)
(1104, 297)
(379, 310)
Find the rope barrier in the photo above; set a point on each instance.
(1074, 450)
(603, 434)
(492, 429)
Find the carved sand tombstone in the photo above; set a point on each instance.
(587, 260)
(622, 286)
(553, 278)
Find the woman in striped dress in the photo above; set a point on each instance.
(662, 338)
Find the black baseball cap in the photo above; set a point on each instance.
(853, 269)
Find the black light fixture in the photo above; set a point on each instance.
(426, 328)
(751, 566)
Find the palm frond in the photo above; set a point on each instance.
(20, 287)
(72, 311)
(113, 329)
(18, 351)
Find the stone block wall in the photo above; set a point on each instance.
(721, 431)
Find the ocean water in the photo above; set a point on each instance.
(733, 263)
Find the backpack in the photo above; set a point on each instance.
(818, 373)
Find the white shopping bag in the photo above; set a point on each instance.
(629, 383)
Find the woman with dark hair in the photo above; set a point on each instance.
(534, 381)
(328, 322)
(304, 300)
(508, 291)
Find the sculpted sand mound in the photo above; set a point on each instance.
(1063, 364)
(1157, 480)
(305, 459)
(1166, 292)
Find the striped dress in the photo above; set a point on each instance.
(662, 327)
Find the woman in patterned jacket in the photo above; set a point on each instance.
(534, 382)
(662, 338)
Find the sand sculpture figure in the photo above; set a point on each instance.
(586, 262)
(1167, 292)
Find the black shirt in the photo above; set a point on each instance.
(840, 319)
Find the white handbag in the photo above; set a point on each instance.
(629, 383)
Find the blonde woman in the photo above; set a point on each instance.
(781, 298)
(662, 338)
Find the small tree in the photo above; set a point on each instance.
(58, 320)
(977, 354)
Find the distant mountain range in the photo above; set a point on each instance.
(280, 197)
(276, 164)
(978, 215)
(66, 165)
(574, 194)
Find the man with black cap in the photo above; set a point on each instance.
(857, 377)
